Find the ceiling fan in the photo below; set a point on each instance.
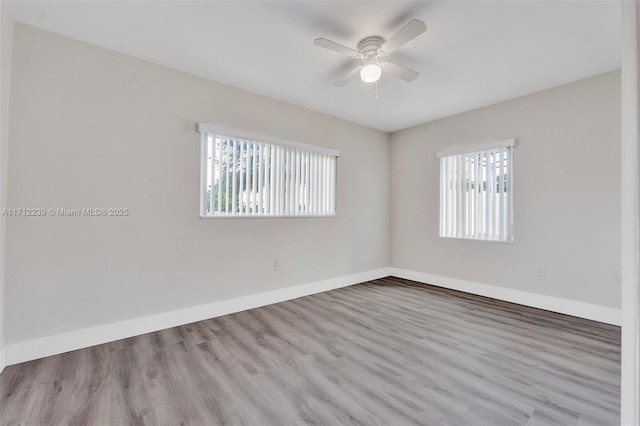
(372, 50)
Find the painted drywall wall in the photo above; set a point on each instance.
(566, 197)
(94, 128)
(630, 216)
(6, 47)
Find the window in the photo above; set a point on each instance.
(476, 192)
(245, 176)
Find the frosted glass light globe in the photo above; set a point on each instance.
(370, 73)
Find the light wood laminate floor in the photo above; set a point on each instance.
(387, 351)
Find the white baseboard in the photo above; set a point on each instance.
(555, 304)
(78, 339)
(51, 345)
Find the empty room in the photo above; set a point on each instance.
(319, 212)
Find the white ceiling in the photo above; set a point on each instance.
(473, 54)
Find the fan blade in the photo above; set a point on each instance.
(401, 72)
(348, 76)
(410, 31)
(328, 44)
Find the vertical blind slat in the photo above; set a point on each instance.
(312, 192)
(299, 182)
(210, 171)
(318, 179)
(451, 191)
(496, 201)
(307, 189)
(476, 195)
(458, 202)
(499, 199)
(443, 196)
(293, 183)
(287, 180)
(276, 183)
(281, 182)
(510, 186)
(228, 175)
(473, 186)
(316, 184)
(465, 185)
(503, 199)
(321, 178)
(325, 196)
(274, 179)
(216, 158)
(243, 175)
(463, 202)
(204, 155)
(487, 197)
(334, 194)
(492, 194)
(290, 186)
(254, 179)
(234, 170)
(260, 208)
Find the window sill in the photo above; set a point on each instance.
(266, 217)
(477, 240)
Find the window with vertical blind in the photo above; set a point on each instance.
(476, 192)
(255, 176)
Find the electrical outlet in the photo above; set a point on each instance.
(541, 270)
(277, 265)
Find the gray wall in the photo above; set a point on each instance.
(6, 49)
(630, 217)
(566, 198)
(94, 128)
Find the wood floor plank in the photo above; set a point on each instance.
(388, 351)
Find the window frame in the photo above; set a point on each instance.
(207, 130)
(508, 145)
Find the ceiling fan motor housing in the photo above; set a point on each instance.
(370, 45)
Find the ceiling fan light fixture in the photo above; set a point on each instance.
(371, 73)
(372, 51)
